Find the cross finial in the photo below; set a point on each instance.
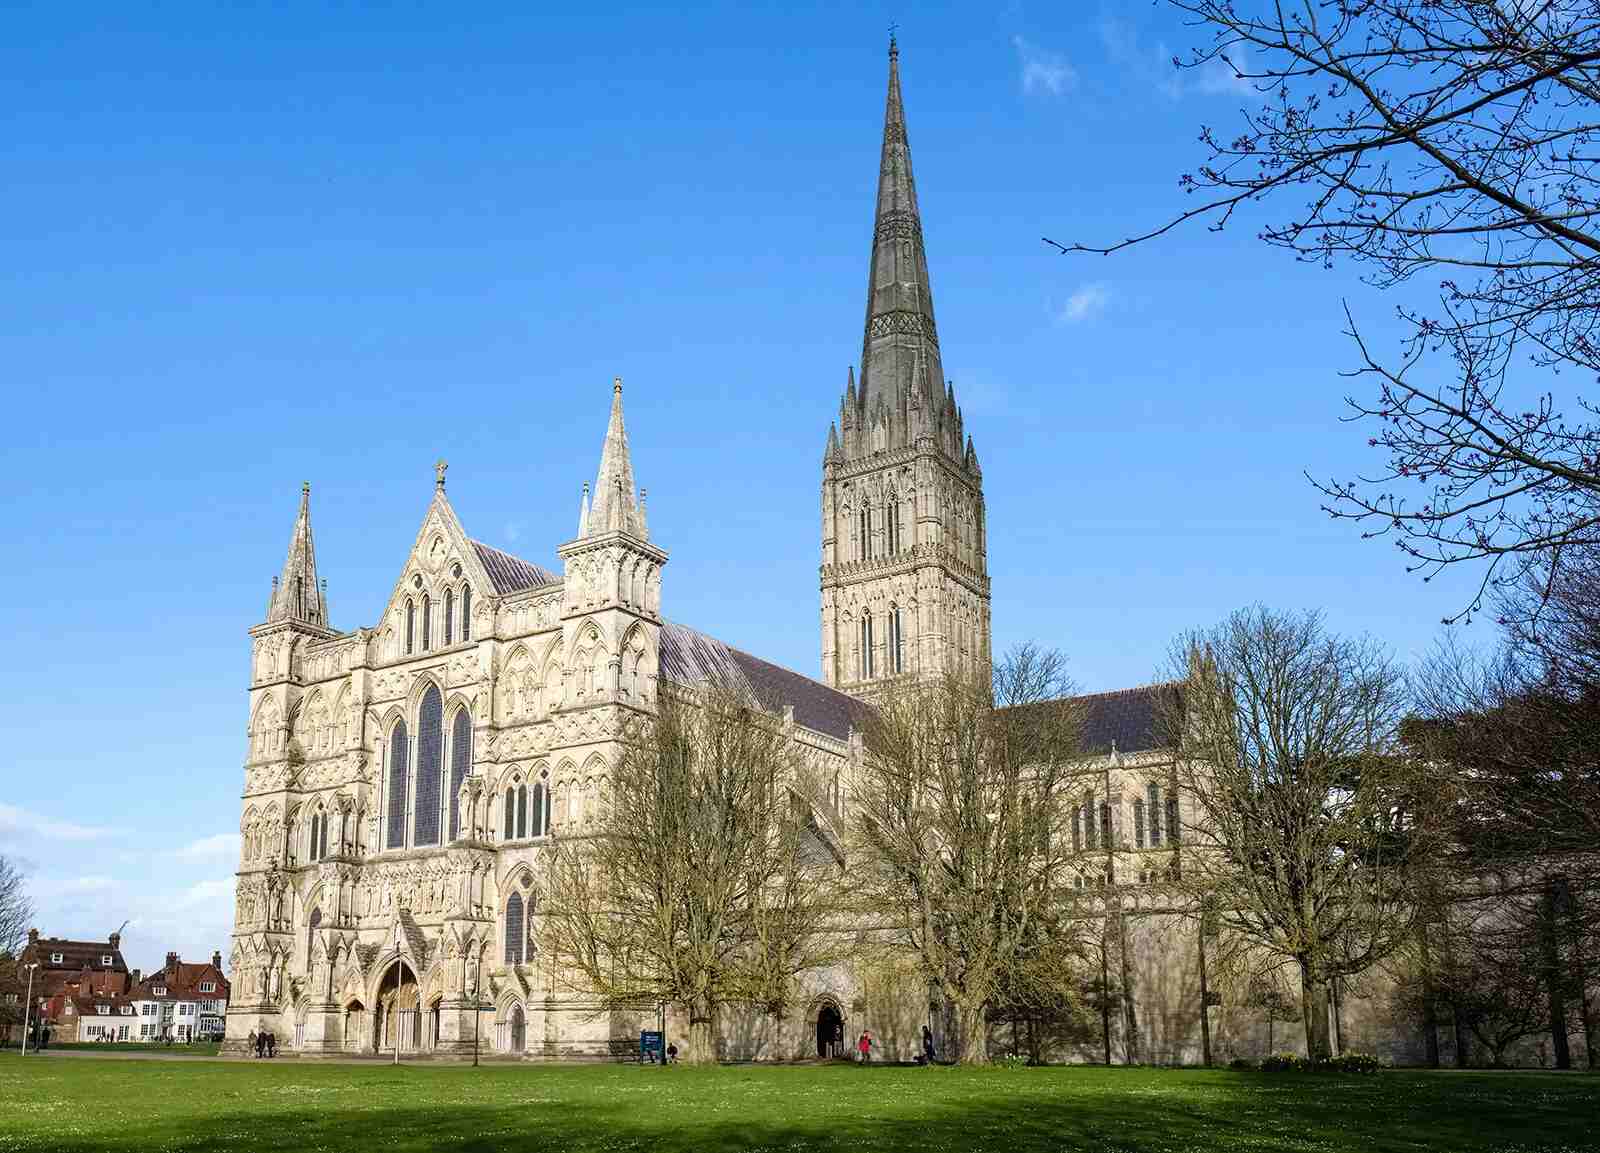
(893, 48)
(438, 470)
(305, 488)
(616, 384)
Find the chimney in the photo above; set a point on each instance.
(116, 941)
(136, 974)
(172, 962)
(33, 936)
(216, 959)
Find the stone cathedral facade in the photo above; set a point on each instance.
(403, 780)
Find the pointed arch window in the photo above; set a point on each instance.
(311, 846)
(299, 596)
(430, 762)
(1089, 838)
(1138, 823)
(891, 516)
(522, 811)
(427, 622)
(541, 805)
(460, 765)
(864, 546)
(399, 784)
(449, 617)
(897, 662)
(411, 627)
(511, 815)
(466, 612)
(866, 647)
(516, 931)
(1153, 793)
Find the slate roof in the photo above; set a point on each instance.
(1128, 720)
(512, 574)
(689, 656)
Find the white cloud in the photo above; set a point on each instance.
(1088, 301)
(212, 892)
(1155, 66)
(20, 822)
(46, 887)
(216, 845)
(1043, 70)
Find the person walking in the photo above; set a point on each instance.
(261, 1044)
(864, 1047)
(927, 1045)
(272, 1044)
(251, 1042)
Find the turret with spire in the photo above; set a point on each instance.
(297, 594)
(905, 585)
(612, 582)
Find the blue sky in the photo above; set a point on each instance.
(334, 244)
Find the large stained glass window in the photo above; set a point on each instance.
(399, 781)
(516, 933)
(460, 765)
(430, 764)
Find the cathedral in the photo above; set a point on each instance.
(403, 780)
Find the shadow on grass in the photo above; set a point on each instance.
(878, 1110)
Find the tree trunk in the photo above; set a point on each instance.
(1130, 1021)
(1338, 1024)
(1463, 1041)
(702, 1032)
(1430, 1016)
(1554, 979)
(1580, 972)
(973, 1025)
(1105, 999)
(1205, 1000)
(1314, 1010)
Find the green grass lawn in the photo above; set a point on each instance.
(66, 1103)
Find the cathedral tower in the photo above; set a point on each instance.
(905, 581)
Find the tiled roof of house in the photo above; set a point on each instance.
(689, 656)
(75, 955)
(181, 980)
(512, 574)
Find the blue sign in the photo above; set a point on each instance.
(652, 1046)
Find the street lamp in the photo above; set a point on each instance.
(27, 1006)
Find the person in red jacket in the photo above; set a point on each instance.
(864, 1046)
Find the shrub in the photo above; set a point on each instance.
(1344, 1063)
(1243, 1065)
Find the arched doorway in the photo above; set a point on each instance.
(830, 1031)
(355, 1021)
(398, 1019)
(519, 1030)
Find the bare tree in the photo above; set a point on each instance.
(956, 846)
(1448, 137)
(708, 881)
(1301, 835)
(16, 907)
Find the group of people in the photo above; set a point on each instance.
(264, 1043)
(864, 1047)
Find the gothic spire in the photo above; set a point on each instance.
(615, 504)
(297, 594)
(900, 330)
